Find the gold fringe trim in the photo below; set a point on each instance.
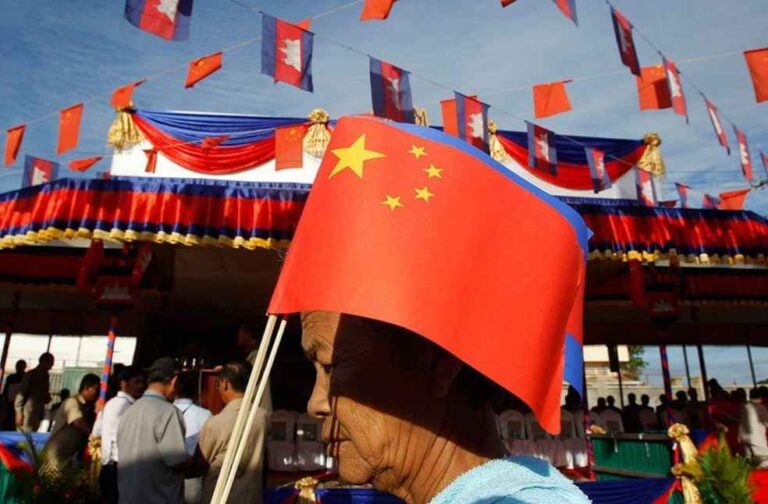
(689, 470)
(317, 137)
(646, 256)
(498, 152)
(652, 161)
(118, 235)
(123, 133)
(420, 116)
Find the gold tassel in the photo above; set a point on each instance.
(652, 160)
(306, 487)
(689, 470)
(420, 115)
(498, 152)
(317, 136)
(94, 449)
(123, 134)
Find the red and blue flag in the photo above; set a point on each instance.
(646, 188)
(622, 28)
(682, 191)
(744, 158)
(286, 52)
(714, 117)
(472, 121)
(38, 171)
(542, 154)
(391, 92)
(568, 8)
(596, 159)
(710, 202)
(675, 88)
(168, 19)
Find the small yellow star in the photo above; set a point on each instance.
(417, 151)
(353, 157)
(423, 194)
(392, 202)
(433, 171)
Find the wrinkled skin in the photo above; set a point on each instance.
(390, 408)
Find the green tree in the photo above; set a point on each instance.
(636, 364)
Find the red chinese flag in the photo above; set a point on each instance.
(82, 165)
(305, 24)
(376, 9)
(652, 88)
(450, 124)
(69, 128)
(733, 200)
(390, 232)
(550, 99)
(201, 68)
(289, 147)
(122, 97)
(505, 3)
(13, 140)
(757, 61)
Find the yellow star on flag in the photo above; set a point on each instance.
(423, 194)
(353, 157)
(392, 202)
(434, 172)
(417, 151)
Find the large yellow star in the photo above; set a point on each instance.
(417, 151)
(353, 157)
(423, 194)
(433, 171)
(392, 202)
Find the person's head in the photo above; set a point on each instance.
(572, 399)
(246, 338)
(693, 394)
(64, 394)
(663, 399)
(233, 378)
(45, 361)
(21, 366)
(389, 397)
(601, 402)
(611, 400)
(716, 391)
(163, 377)
(187, 386)
(632, 399)
(763, 391)
(754, 394)
(680, 396)
(645, 399)
(739, 395)
(89, 387)
(132, 382)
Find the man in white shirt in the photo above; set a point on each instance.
(752, 430)
(194, 418)
(132, 385)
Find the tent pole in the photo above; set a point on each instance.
(106, 370)
(752, 366)
(703, 365)
(621, 388)
(665, 371)
(687, 367)
(9, 333)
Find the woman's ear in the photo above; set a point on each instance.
(446, 368)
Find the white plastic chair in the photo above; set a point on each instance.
(612, 422)
(281, 445)
(310, 451)
(542, 443)
(648, 420)
(511, 425)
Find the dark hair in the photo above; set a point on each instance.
(89, 381)
(237, 374)
(44, 356)
(21, 362)
(129, 372)
(64, 393)
(754, 393)
(186, 386)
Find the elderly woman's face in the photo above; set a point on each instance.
(367, 396)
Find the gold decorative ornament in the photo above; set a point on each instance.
(306, 487)
(652, 160)
(123, 134)
(689, 470)
(498, 152)
(318, 136)
(420, 116)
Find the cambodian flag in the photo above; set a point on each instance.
(682, 191)
(286, 52)
(391, 92)
(717, 124)
(744, 157)
(623, 30)
(168, 19)
(568, 8)
(675, 88)
(596, 159)
(646, 188)
(472, 121)
(542, 154)
(38, 171)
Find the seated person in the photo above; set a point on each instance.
(406, 416)
(72, 425)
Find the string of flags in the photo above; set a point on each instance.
(287, 57)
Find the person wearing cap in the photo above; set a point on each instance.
(150, 441)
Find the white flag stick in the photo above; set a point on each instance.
(243, 441)
(241, 415)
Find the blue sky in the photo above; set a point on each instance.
(56, 54)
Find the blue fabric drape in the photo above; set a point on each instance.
(571, 149)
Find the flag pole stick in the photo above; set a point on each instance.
(243, 440)
(241, 415)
